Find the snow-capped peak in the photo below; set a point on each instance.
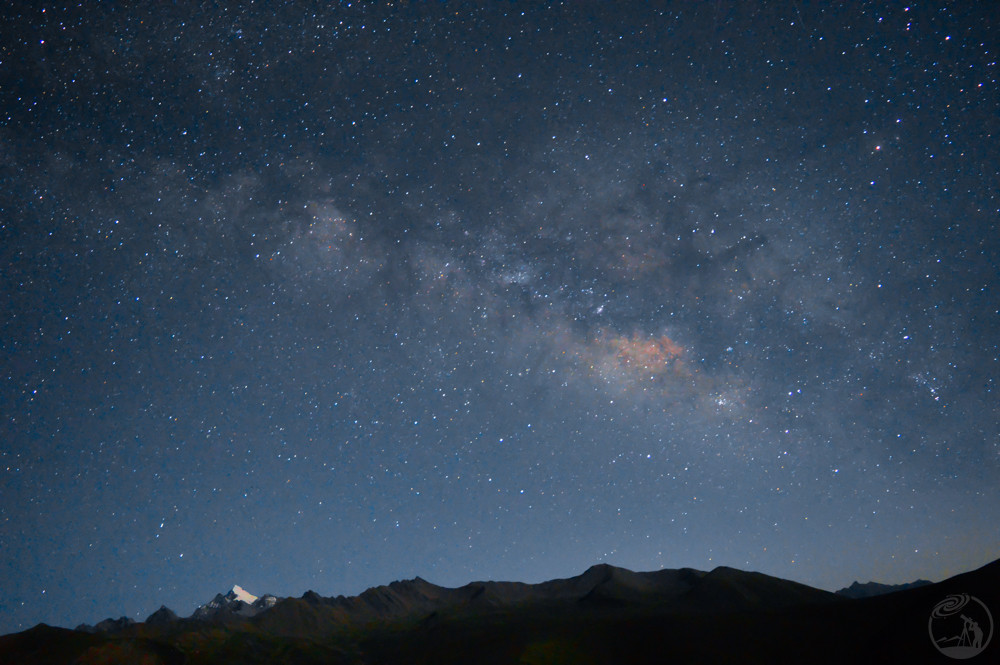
(239, 593)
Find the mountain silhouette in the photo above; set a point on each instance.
(604, 615)
(869, 589)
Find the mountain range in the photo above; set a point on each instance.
(869, 589)
(605, 615)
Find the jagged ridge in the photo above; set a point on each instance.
(605, 615)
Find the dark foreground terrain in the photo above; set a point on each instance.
(606, 615)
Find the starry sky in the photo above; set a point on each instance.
(300, 298)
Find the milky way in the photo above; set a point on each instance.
(305, 300)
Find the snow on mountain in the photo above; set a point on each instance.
(238, 603)
(239, 593)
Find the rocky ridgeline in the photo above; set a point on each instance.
(237, 604)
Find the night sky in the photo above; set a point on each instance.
(300, 299)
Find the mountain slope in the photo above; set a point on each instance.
(869, 589)
(605, 615)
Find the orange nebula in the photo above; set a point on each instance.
(657, 354)
(651, 370)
